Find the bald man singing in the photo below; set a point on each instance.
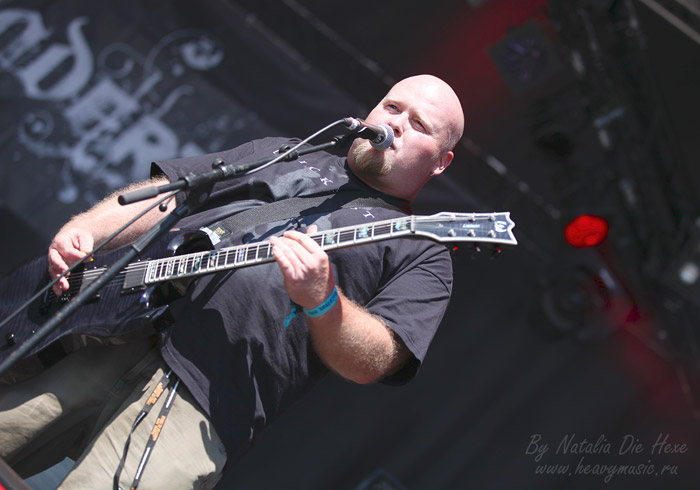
(168, 406)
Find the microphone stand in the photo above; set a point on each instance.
(199, 187)
(222, 171)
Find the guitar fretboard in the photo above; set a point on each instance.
(198, 263)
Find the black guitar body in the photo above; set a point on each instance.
(113, 312)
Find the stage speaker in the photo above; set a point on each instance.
(526, 58)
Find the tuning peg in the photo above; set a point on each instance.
(476, 252)
(495, 252)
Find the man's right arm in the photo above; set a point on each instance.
(79, 235)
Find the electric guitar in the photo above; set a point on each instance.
(142, 290)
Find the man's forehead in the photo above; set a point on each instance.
(420, 98)
(433, 99)
(426, 103)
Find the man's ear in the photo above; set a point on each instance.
(443, 162)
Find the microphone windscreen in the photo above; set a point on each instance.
(387, 140)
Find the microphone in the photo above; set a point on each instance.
(380, 136)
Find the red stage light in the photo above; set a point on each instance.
(586, 231)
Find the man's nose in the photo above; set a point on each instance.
(396, 123)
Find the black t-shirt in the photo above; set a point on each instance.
(229, 344)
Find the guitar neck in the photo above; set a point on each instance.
(484, 228)
(200, 263)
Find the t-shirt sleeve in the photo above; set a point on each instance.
(413, 302)
(245, 153)
(226, 196)
(179, 167)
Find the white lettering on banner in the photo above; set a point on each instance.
(145, 141)
(39, 70)
(33, 33)
(104, 102)
(115, 127)
(94, 118)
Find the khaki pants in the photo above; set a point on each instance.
(84, 407)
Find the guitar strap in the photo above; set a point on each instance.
(296, 207)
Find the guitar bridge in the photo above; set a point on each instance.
(134, 280)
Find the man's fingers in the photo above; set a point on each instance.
(67, 247)
(305, 255)
(300, 250)
(61, 286)
(304, 266)
(72, 255)
(282, 254)
(56, 267)
(294, 257)
(56, 263)
(82, 244)
(304, 240)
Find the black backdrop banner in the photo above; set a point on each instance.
(92, 92)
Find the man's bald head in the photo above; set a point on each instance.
(439, 93)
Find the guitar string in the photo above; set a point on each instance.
(319, 238)
(341, 234)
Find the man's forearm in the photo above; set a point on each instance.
(83, 232)
(107, 216)
(348, 339)
(356, 344)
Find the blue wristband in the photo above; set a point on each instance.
(323, 307)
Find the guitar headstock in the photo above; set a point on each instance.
(487, 228)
